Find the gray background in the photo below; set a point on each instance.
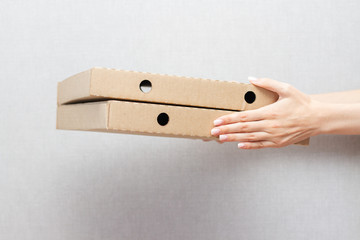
(81, 185)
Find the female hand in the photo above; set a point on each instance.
(291, 119)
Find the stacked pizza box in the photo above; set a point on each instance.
(119, 101)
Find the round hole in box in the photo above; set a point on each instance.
(145, 86)
(250, 97)
(163, 119)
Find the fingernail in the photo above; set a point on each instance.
(218, 122)
(222, 137)
(215, 131)
(241, 145)
(252, 79)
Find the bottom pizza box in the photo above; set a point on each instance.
(140, 118)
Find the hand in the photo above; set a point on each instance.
(289, 120)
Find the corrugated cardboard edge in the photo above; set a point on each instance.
(167, 75)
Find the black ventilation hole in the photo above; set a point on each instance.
(145, 86)
(163, 119)
(250, 97)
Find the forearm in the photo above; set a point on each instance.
(338, 118)
(338, 97)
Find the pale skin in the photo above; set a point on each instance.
(293, 118)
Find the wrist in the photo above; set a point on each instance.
(322, 113)
(333, 118)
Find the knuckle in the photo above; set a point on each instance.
(273, 115)
(243, 117)
(244, 127)
(252, 137)
(275, 125)
(260, 145)
(229, 118)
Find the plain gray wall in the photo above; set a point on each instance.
(82, 185)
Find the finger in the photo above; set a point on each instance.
(240, 127)
(208, 140)
(245, 137)
(280, 88)
(256, 145)
(246, 116)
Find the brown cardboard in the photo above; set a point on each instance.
(102, 84)
(140, 118)
(110, 100)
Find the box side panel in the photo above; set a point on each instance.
(167, 89)
(148, 119)
(75, 88)
(89, 116)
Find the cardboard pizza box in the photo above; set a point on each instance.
(138, 118)
(99, 84)
(118, 101)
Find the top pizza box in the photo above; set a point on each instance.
(99, 84)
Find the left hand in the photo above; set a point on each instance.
(289, 120)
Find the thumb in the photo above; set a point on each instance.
(275, 86)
